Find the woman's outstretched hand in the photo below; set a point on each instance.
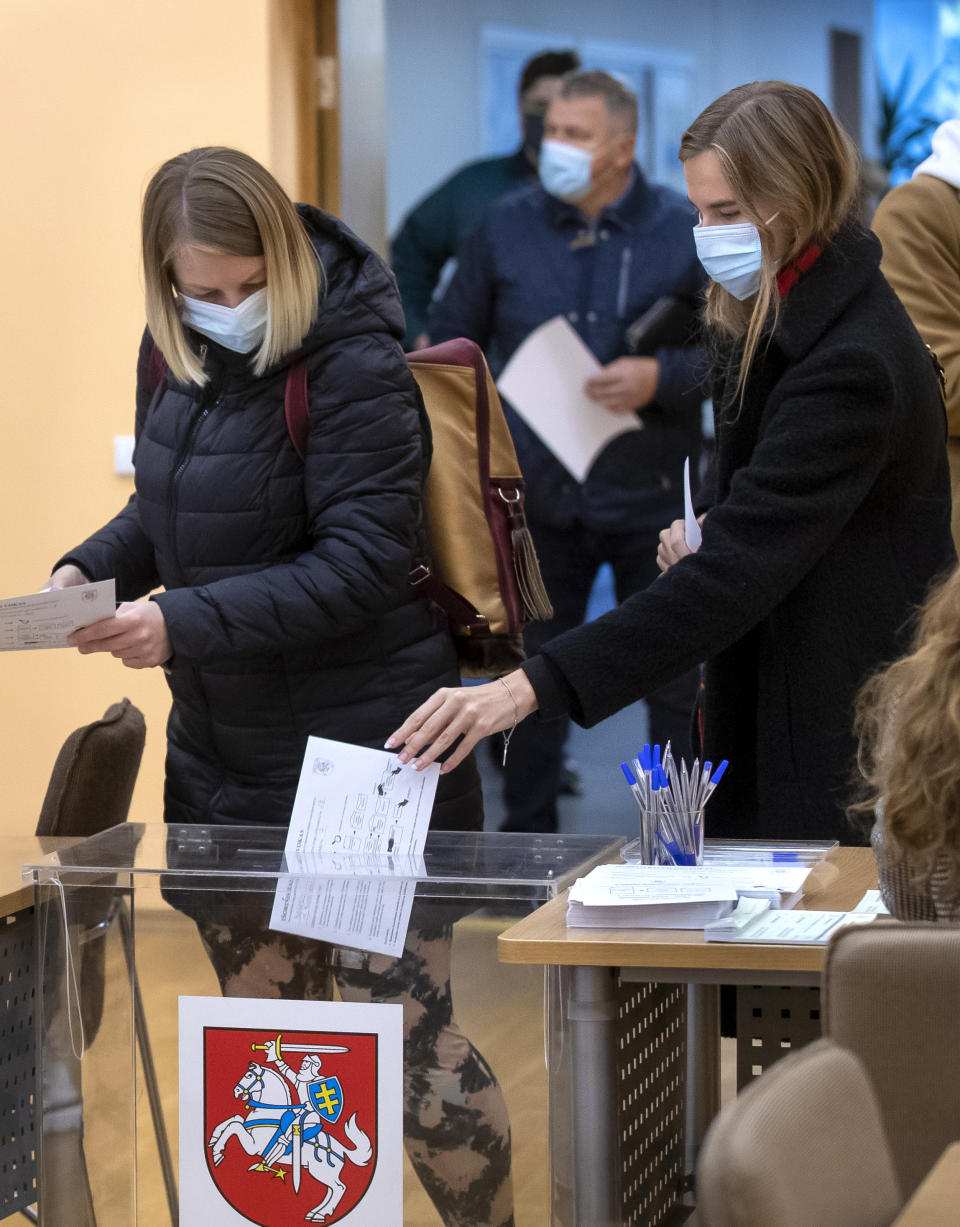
(468, 712)
(136, 634)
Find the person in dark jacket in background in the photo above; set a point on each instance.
(596, 243)
(286, 608)
(827, 511)
(435, 229)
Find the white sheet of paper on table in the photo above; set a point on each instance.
(691, 529)
(364, 810)
(544, 382)
(45, 619)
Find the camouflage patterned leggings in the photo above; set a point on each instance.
(456, 1130)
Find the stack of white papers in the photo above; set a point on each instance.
(676, 896)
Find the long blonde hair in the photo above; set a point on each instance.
(777, 143)
(223, 199)
(908, 723)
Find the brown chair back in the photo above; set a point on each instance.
(89, 791)
(801, 1145)
(891, 994)
(94, 774)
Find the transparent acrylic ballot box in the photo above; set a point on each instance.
(131, 919)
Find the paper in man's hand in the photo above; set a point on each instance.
(544, 382)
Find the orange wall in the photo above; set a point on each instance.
(94, 96)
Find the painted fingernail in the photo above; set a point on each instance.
(389, 744)
(418, 764)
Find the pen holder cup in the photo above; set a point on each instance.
(675, 839)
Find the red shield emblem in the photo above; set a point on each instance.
(290, 1122)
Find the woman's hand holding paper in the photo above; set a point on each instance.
(136, 634)
(673, 544)
(67, 576)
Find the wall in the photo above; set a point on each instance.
(95, 96)
(361, 31)
(433, 61)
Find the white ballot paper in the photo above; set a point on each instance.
(691, 529)
(359, 822)
(45, 619)
(544, 382)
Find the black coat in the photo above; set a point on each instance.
(286, 593)
(829, 516)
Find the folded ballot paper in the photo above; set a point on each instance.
(636, 896)
(753, 922)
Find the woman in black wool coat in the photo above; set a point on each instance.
(827, 509)
(286, 608)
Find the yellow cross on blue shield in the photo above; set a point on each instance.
(326, 1096)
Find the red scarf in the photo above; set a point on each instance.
(788, 277)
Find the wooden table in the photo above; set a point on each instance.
(602, 961)
(934, 1204)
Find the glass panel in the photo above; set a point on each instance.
(184, 911)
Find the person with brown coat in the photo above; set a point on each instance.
(918, 224)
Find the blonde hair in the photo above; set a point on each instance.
(908, 724)
(778, 145)
(223, 199)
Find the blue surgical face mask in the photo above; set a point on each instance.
(565, 171)
(732, 256)
(240, 328)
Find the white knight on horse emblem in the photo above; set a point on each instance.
(292, 1131)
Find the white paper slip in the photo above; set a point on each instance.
(351, 799)
(368, 913)
(756, 923)
(360, 819)
(45, 619)
(872, 903)
(691, 529)
(544, 381)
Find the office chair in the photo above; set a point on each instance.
(802, 1144)
(891, 995)
(90, 791)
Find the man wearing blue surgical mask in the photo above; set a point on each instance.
(436, 226)
(593, 242)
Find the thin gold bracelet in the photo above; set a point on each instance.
(516, 719)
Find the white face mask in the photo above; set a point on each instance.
(732, 255)
(240, 328)
(565, 171)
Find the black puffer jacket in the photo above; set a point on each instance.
(286, 593)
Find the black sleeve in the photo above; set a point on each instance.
(810, 470)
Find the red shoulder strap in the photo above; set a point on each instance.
(296, 408)
(156, 367)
